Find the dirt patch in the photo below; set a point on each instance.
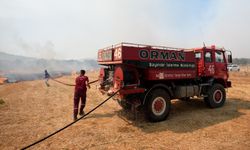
(35, 110)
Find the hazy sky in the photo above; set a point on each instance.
(76, 29)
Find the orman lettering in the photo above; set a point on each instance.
(162, 55)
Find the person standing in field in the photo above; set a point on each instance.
(47, 76)
(82, 82)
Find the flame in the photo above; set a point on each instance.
(3, 80)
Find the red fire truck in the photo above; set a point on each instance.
(149, 77)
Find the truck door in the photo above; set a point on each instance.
(209, 63)
(220, 65)
(200, 63)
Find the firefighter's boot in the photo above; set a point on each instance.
(81, 113)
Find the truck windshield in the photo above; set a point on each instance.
(198, 55)
(219, 57)
(208, 57)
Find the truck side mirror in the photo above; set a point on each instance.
(230, 60)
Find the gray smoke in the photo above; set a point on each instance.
(18, 68)
(44, 50)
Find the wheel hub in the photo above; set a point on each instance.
(158, 106)
(217, 96)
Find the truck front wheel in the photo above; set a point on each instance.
(158, 105)
(216, 96)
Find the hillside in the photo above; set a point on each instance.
(27, 68)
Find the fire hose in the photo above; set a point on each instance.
(70, 84)
(47, 77)
(68, 125)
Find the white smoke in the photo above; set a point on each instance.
(79, 28)
(230, 27)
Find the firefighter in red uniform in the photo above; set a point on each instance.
(82, 82)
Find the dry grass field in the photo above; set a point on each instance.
(30, 111)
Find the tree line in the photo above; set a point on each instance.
(241, 61)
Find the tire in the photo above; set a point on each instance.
(216, 96)
(157, 105)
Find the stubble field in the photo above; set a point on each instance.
(30, 111)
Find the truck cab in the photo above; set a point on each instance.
(212, 63)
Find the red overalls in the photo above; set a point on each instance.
(80, 92)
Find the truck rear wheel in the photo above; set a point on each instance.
(158, 105)
(216, 96)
